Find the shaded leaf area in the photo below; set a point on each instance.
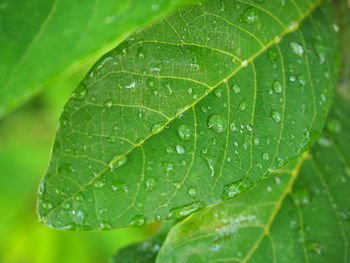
(143, 252)
(301, 215)
(189, 112)
(41, 40)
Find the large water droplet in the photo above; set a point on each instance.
(184, 132)
(184, 210)
(233, 189)
(297, 48)
(217, 123)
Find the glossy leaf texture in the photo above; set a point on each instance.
(301, 215)
(191, 111)
(42, 40)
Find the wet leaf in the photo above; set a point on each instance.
(190, 102)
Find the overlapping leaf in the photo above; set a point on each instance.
(301, 215)
(41, 40)
(189, 112)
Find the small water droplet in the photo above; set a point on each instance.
(150, 183)
(277, 87)
(256, 141)
(184, 132)
(119, 187)
(150, 83)
(301, 197)
(297, 48)
(242, 106)
(138, 220)
(314, 247)
(265, 157)
(180, 149)
(168, 167)
(157, 127)
(109, 103)
(276, 116)
(236, 89)
(218, 92)
(233, 189)
(250, 16)
(47, 205)
(217, 123)
(233, 127)
(192, 191)
(301, 80)
(320, 51)
(140, 53)
(99, 184)
(168, 89)
(185, 210)
(334, 126)
(80, 92)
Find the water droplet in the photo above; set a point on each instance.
(168, 89)
(265, 157)
(297, 48)
(105, 225)
(301, 80)
(184, 210)
(320, 51)
(218, 93)
(192, 191)
(233, 189)
(109, 103)
(150, 183)
(250, 16)
(119, 187)
(301, 197)
(79, 197)
(66, 205)
(168, 167)
(242, 106)
(180, 149)
(157, 127)
(217, 123)
(272, 54)
(244, 63)
(236, 89)
(80, 92)
(184, 132)
(47, 205)
(138, 220)
(256, 141)
(99, 184)
(277, 87)
(276, 116)
(140, 53)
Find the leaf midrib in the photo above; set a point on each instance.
(276, 40)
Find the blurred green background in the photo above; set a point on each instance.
(26, 136)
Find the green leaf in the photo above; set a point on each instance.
(301, 215)
(189, 112)
(43, 40)
(143, 252)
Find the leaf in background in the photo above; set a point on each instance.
(302, 215)
(42, 40)
(143, 252)
(189, 112)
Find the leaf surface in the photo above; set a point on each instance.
(301, 215)
(189, 112)
(42, 40)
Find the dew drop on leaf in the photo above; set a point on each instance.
(276, 116)
(80, 92)
(236, 89)
(185, 210)
(109, 103)
(180, 149)
(277, 87)
(233, 189)
(157, 127)
(150, 183)
(138, 220)
(47, 205)
(119, 187)
(192, 191)
(217, 123)
(250, 16)
(99, 184)
(184, 132)
(243, 105)
(297, 48)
